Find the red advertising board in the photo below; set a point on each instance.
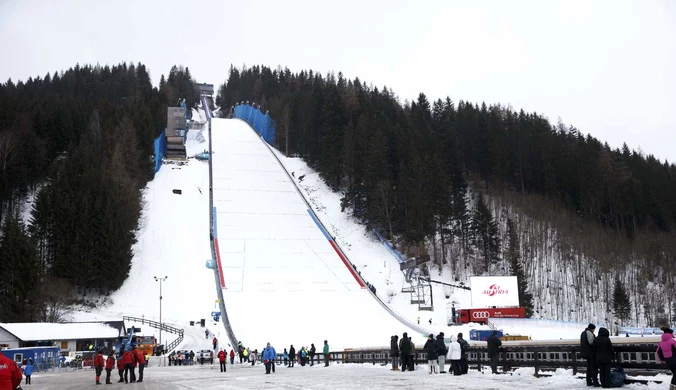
(482, 315)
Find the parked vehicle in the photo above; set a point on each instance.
(466, 316)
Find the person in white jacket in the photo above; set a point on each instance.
(454, 355)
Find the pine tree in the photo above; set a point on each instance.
(516, 269)
(621, 303)
(485, 234)
(19, 271)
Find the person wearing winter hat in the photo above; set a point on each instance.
(394, 352)
(326, 353)
(441, 352)
(269, 356)
(98, 365)
(665, 353)
(493, 343)
(588, 351)
(430, 349)
(454, 355)
(464, 348)
(604, 356)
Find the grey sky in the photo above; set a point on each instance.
(606, 67)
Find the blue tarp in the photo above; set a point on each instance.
(262, 123)
(160, 149)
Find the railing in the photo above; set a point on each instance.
(219, 290)
(637, 356)
(161, 326)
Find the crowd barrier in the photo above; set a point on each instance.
(261, 122)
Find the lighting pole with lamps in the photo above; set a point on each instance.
(158, 279)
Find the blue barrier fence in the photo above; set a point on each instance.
(389, 247)
(262, 123)
(160, 149)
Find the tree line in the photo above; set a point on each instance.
(428, 173)
(79, 143)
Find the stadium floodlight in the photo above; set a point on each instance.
(160, 279)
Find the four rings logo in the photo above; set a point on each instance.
(494, 289)
(480, 314)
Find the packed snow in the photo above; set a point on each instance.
(284, 283)
(336, 376)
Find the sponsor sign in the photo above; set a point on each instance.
(489, 291)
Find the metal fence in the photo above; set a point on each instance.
(639, 356)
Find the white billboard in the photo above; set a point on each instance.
(489, 291)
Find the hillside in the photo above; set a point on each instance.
(448, 180)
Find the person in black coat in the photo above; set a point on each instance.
(441, 352)
(292, 356)
(430, 349)
(405, 351)
(494, 344)
(588, 351)
(604, 356)
(394, 352)
(313, 351)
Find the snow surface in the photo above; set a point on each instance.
(377, 265)
(284, 283)
(35, 331)
(336, 376)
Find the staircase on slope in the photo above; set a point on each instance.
(163, 327)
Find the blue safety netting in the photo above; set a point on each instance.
(160, 149)
(262, 123)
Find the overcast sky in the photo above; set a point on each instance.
(606, 67)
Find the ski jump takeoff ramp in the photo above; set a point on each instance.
(283, 282)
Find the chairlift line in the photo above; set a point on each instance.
(445, 284)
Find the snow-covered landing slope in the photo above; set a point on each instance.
(284, 283)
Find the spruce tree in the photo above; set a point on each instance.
(516, 269)
(621, 303)
(19, 272)
(485, 234)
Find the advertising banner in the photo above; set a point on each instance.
(499, 291)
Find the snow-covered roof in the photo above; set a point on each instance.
(37, 331)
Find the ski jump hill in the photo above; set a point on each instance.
(283, 279)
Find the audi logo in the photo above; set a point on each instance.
(480, 314)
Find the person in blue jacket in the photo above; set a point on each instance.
(28, 371)
(285, 356)
(269, 355)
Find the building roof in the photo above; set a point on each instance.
(42, 331)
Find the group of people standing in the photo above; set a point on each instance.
(305, 355)
(126, 365)
(599, 353)
(403, 353)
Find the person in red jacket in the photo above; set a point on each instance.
(128, 360)
(10, 374)
(141, 360)
(232, 356)
(110, 363)
(221, 359)
(98, 365)
(215, 342)
(120, 368)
